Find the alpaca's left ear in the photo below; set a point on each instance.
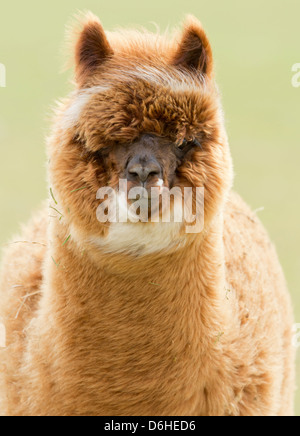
(92, 48)
(194, 51)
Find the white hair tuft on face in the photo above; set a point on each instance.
(73, 112)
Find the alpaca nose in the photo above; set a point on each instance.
(144, 171)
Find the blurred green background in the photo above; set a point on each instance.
(255, 46)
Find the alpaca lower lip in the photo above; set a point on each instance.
(143, 198)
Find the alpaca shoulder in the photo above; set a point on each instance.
(21, 274)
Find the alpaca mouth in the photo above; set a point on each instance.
(145, 207)
(141, 199)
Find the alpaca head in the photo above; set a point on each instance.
(146, 110)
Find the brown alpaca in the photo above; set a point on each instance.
(143, 319)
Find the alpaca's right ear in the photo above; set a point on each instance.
(194, 51)
(91, 50)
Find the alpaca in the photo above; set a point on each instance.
(143, 318)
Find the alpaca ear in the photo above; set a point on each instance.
(194, 51)
(91, 50)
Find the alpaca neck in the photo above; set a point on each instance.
(138, 324)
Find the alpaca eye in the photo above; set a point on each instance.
(196, 143)
(183, 145)
(187, 145)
